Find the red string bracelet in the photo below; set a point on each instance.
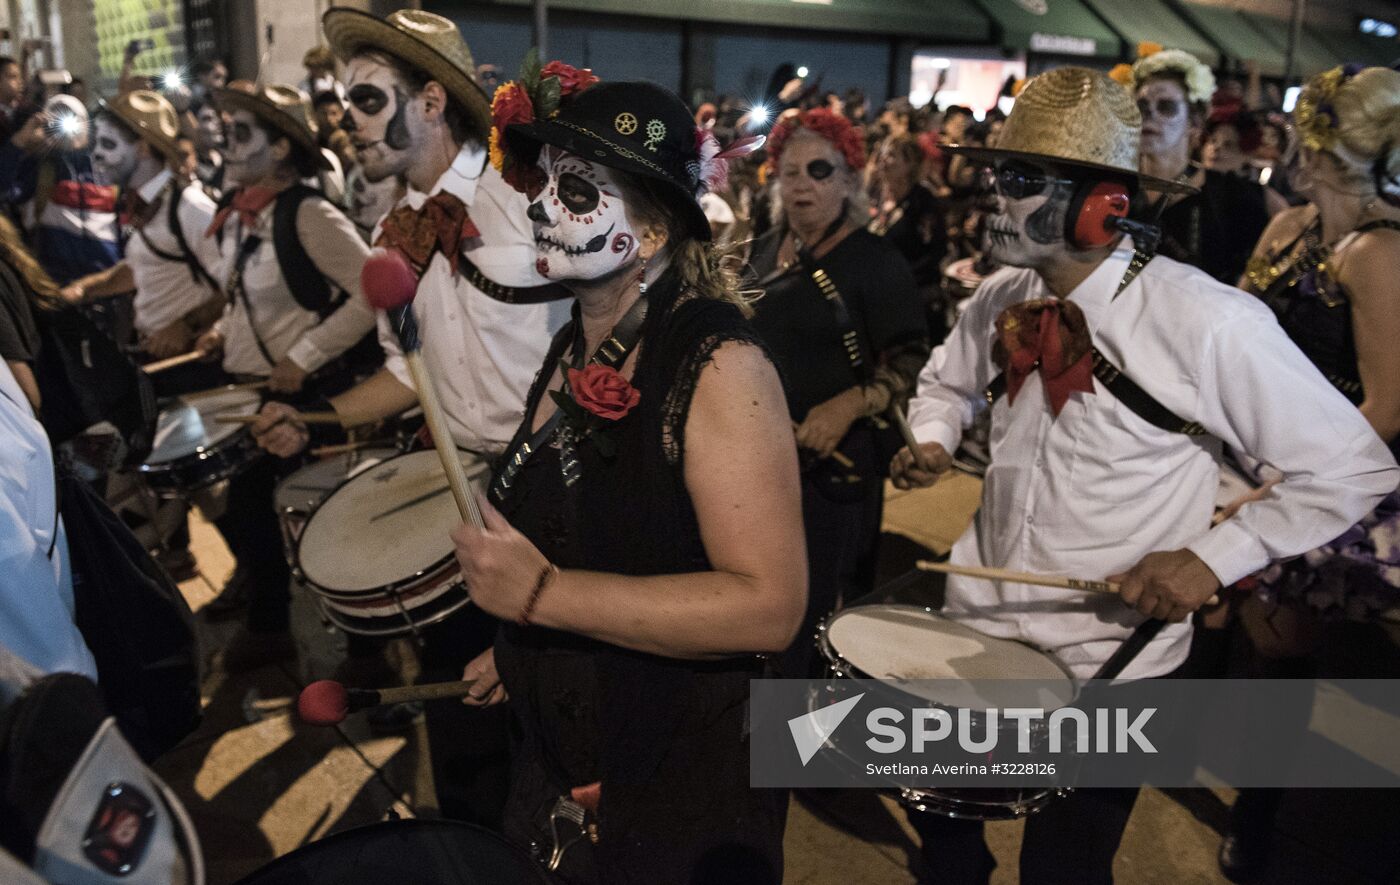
(546, 574)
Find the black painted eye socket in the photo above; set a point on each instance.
(107, 144)
(577, 194)
(820, 170)
(242, 133)
(369, 99)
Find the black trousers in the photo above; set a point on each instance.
(1072, 841)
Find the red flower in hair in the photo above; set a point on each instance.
(571, 79)
(829, 125)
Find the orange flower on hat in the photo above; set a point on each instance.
(511, 104)
(1147, 47)
(1122, 74)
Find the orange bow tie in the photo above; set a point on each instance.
(1050, 335)
(248, 202)
(441, 225)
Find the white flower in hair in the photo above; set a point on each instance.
(1200, 82)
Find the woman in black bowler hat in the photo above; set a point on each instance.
(644, 537)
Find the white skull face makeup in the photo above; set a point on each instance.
(1028, 227)
(249, 158)
(582, 231)
(1166, 116)
(114, 152)
(378, 119)
(371, 200)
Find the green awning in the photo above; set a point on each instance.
(941, 21)
(1309, 58)
(1052, 27)
(1153, 22)
(1227, 29)
(1353, 46)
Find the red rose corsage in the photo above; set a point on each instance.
(597, 398)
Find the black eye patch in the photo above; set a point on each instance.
(369, 99)
(577, 194)
(820, 170)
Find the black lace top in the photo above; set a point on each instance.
(666, 737)
(1217, 228)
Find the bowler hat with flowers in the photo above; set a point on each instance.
(635, 127)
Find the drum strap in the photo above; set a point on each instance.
(613, 352)
(1123, 388)
(237, 291)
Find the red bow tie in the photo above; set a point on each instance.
(1050, 335)
(248, 202)
(441, 225)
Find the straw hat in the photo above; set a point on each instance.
(425, 41)
(284, 108)
(150, 116)
(1074, 117)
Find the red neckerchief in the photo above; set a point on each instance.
(248, 202)
(441, 225)
(1050, 335)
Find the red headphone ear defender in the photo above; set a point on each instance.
(1093, 209)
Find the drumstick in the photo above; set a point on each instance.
(1001, 574)
(303, 417)
(227, 388)
(835, 455)
(172, 362)
(327, 702)
(390, 284)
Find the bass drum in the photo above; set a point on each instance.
(413, 852)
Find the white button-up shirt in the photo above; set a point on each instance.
(286, 328)
(36, 587)
(166, 290)
(481, 353)
(1089, 493)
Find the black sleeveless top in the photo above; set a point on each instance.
(666, 737)
(1217, 228)
(1315, 312)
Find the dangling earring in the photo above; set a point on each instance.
(642, 280)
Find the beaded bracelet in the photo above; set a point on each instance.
(546, 574)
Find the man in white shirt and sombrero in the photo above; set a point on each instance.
(1116, 379)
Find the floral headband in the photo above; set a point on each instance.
(1200, 82)
(536, 94)
(1315, 115)
(831, 126)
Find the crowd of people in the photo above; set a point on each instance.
(678, 344)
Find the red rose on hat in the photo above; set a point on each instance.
(603, 391)
(571, 79)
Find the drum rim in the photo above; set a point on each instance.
(393, 587)
(335, 615)
(847, 668)
(202, 452)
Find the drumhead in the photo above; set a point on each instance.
(353, 542)
(905, 642)
(187, 427)
(303, 489)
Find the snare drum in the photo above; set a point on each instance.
(302, 491)
(415, 852)
(376, 550)
(905, 642)
(192, 450)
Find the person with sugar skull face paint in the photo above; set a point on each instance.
(1096, 478)
(1216, 226)
(649, 537)
(167, 259)
(846, 356)
(304, 336)
(417, 113)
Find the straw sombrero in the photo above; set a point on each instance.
(1074, 117)
(150, 116)
(425, 41)
(284, 108)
